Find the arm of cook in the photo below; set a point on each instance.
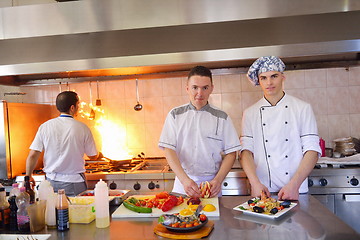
(31, 161)
(248, 164)
(190, 186)
(311, 153)
(226, 165)
(291, 190)
(247, 157)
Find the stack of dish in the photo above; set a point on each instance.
(345, 146)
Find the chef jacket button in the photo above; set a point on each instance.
(286, 156)
(266, 140)
(286, 122)
(286, 140)
(264, 124)
(286, 173)
(268, 155)
(286, 106)
(262, 109)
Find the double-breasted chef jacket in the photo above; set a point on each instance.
(278, 136)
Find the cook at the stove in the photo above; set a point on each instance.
(199, 140)
(279, 139)
(64, 141)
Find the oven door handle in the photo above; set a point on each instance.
(352, 198)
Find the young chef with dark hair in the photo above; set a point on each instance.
(199, 140)
(279, 139)
(64, 141)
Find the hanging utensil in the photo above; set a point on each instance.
(98, 100)
(92, 112)
(138, 106)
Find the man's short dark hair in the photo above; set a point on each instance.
(65, 99)
(200, 71)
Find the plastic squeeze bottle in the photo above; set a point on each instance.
(102, 205)
(62, 211)
(46, 192)
(23, 219)
(15, 191)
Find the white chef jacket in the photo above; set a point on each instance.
(65, 141)
(278, 136)
(199, 137)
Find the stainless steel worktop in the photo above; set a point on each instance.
(309, 220)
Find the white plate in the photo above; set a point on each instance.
(24, 236)
(269, 216)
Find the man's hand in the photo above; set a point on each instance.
(256, 190)
(215, 187)
(288, 192)
(191, 188)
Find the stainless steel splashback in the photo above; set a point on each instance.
(118, 37)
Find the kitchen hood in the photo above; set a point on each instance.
(120, 39)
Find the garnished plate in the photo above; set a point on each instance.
(247, 209)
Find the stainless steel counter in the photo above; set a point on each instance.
(309, 220)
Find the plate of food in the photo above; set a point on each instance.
(266, 207)
(183, 222)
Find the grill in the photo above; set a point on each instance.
(335, 183)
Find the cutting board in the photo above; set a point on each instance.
(202, 232)
(123, 212)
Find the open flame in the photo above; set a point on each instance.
(113, 135)
(113, 138)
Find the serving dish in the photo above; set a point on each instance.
(116, 196)
(185, 230)
(246, 209)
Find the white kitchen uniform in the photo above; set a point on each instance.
(65, 141)
(278, 136)
(199, 137)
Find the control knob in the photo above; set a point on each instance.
(354, 182)
(112, 185)
(323, 182)
(225, 184)
(137, 186)
(151, 185)
(310, 182)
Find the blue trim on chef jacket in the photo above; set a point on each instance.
(66, 116)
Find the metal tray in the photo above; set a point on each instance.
(116, 196)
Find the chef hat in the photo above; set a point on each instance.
(264, 64)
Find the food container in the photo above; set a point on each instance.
(81, 210)
(36, 213)
(116, 196)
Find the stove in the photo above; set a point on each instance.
(147, 176)
(335, 182)
(142, 176)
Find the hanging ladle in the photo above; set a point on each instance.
(138, 106)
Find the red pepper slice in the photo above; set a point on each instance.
(170, 202)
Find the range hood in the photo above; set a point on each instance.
(120, 39)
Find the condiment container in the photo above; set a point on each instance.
(46, 192)
(36, 213)
(81, 210)
(102, 204)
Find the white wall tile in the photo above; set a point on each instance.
(315, 78)
(338, 100)
(294, 79)
(354, 76)
(337, 77)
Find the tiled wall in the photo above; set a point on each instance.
(334, 94)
